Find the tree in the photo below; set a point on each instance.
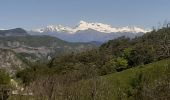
(140, 54)
(121, 64)
(109, 67)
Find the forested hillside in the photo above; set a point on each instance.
(119, 54)
(121, 69)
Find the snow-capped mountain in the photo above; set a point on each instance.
(94, 26)
(106, 28)
(86, 32)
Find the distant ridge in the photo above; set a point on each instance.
(13, 32)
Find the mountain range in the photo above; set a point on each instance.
(86, 32)
(18, 48)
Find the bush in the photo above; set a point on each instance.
(4, 85)
(4, 78)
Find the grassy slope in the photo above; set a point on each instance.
(122, 80)
(126, 75)
(118, 86)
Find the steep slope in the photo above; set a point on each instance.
(10, 61)
(41, 47)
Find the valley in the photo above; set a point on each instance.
(84, 50)
(118, 69)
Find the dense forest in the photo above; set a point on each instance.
(121, 69)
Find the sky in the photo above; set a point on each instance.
(30, 14)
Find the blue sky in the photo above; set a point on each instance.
(38, 13)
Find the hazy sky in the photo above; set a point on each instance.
(37, 13)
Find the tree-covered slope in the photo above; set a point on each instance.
(119, 54)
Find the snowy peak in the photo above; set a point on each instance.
(104, 28)
(95, 26)
(133, 29)
(107, 28)
(54, 28)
